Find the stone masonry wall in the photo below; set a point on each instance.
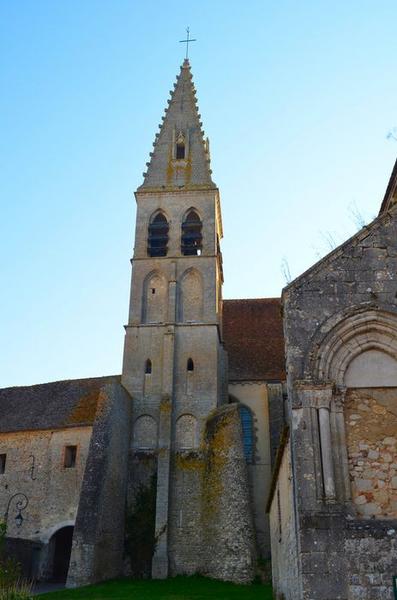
(227, 520)
(35, 467)
(371, 425)
(283, 534)
(98, 541)
(211, 518)
(185, 531)
(140, 517)
(371, 552)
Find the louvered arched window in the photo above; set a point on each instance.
(158, 235)
(192, 238)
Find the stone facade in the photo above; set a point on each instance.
(221, 406)
(35, 468)
(340, 323)
(167, 461)
(36, 481)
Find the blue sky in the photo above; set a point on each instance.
(297, 99)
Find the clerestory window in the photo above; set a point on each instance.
(158, 236)
(148, 367)
(192, 238)
(190, 364)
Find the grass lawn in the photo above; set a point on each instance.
(177, 588)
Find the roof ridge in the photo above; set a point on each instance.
(35, 385)
(266, 299)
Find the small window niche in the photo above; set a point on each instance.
(69, 461)
(180, 149)
(190, 377)
(148, 367)
(3, 459)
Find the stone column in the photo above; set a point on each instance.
(312, 432)
(326, 453)
(337, 408)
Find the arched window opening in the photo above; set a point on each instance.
(158, 236)
(248, 433)
(190, 364)
(148, 367)
(192, 237)
(180, 151)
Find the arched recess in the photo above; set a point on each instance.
(157, 243)
(186, 432)
(359, 354)
(191, 234)
(353, 335)
(145, 433)
(191, 296)
(371, 368)
(155, 298)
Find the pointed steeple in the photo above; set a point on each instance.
(180, 158)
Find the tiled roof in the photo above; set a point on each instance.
(53, 405)
(254, 340)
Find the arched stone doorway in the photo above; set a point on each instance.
(61, 543)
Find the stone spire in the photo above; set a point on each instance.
(180, 158)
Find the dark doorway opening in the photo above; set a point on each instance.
(62, 550)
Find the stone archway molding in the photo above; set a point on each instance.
(341, 340)
(48, 533)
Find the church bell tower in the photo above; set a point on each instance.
(174, 365)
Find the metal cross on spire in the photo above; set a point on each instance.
(187, 41)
